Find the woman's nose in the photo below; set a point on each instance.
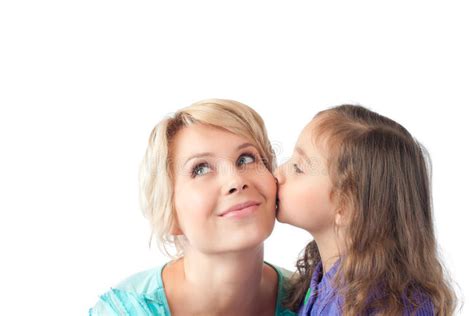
(237, 187)
(235, 182)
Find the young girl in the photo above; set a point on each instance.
(359, 183)
(207, 188)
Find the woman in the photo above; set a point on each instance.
(207, 188)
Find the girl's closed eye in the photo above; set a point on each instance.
(200, 169)
(297, 169)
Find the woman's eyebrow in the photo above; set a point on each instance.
(303, 154)
(209, 154)
(245, 145)
(200, 155)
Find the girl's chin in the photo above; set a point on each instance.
(279, 216)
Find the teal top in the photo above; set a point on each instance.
(143, 294)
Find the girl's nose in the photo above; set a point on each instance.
(279, 174)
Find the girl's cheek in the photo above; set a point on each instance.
(301, 194)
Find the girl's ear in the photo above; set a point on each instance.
(342, 218)
(339, 219)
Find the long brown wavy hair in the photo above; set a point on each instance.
(381, 174)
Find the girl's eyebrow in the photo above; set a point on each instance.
(208, 154)
(303, 154)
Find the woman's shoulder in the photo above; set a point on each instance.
(140, 294)
(284, 273)
(284, 277)
(144, 282)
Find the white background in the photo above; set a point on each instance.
(82, 84)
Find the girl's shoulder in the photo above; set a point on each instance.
(141, 294)
(424, 306)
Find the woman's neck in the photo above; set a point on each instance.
(221, 284)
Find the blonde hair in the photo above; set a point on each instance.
(156, 175)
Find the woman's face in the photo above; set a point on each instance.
(223, 195)
(305, 186)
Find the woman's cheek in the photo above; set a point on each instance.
(267, 186)
(272, 185)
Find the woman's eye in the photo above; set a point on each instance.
(200, 170)
(297, 169)
(245, 159)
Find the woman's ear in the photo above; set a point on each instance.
(175, 229)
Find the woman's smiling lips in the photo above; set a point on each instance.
(241, 209)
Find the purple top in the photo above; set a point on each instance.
(328, 302)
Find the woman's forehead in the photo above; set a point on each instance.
(199, 139)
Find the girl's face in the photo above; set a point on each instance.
(305, 186)
(223, 195)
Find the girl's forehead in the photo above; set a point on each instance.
(309, 135)
(311, 141)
